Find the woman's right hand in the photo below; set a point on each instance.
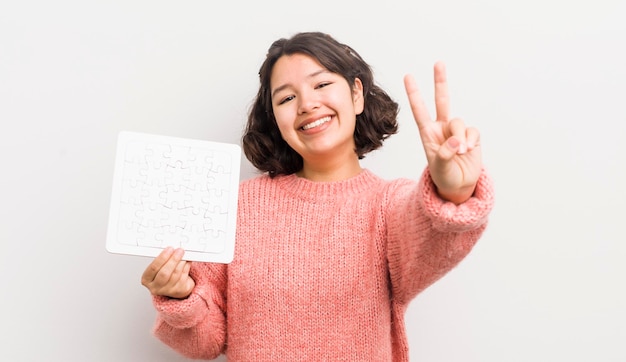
(168, 275)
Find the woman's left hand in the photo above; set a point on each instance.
(453, 150)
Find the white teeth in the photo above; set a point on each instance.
(316, 123)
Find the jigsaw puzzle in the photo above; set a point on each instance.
(178, 192)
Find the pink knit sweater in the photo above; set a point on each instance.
(323, 271)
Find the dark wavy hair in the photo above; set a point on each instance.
(262, 142)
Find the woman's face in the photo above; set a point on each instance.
(315, 109)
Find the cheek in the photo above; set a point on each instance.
(284, 126)
(284, 118)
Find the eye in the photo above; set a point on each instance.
(323, 84)
(285, 100)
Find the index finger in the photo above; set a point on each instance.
(442, 98)
(420, 113)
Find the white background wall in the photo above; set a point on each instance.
(544, 81)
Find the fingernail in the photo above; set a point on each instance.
(462, 149)
(455, 143)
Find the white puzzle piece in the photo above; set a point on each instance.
(178, 192)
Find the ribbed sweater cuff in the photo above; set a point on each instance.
(447, 216)
(181, 313)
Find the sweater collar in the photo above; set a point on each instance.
(326, 191)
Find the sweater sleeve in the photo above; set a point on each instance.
(195, 326)
(428, 236)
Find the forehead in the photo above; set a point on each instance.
(294, 67)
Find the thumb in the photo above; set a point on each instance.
(450, 148)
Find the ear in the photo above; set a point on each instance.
(357, 96)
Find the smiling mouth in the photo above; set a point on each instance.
(317, 123)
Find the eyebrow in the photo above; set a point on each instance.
(283, 86)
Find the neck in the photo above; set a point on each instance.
(325, 172)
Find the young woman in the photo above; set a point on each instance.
(328, 255)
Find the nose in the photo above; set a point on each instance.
(307, 102)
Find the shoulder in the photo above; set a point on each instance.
(261, 186)
(398, 187)
(255, 180)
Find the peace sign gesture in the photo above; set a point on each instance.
(452, 149)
